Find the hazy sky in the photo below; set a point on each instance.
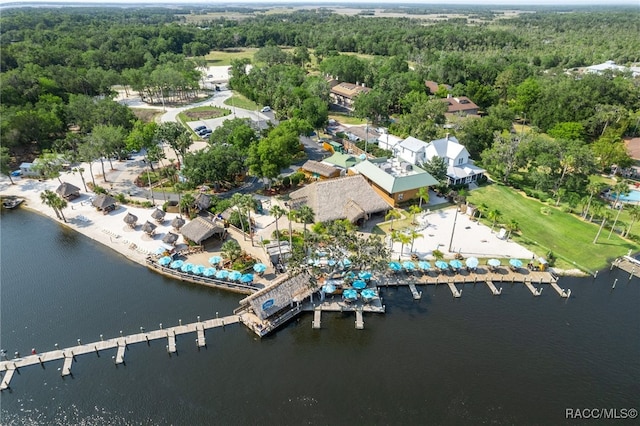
(338, 2)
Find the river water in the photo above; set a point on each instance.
(512, 359)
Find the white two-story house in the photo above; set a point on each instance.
(460, 168)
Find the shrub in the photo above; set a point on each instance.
(121, 198)
(99, 190)
(147, 204)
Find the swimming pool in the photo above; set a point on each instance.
(632, 197)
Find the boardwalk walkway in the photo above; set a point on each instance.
(119, 343)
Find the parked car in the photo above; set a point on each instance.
(265, 109)
(203, 131)
(16, 173)
(199, 128)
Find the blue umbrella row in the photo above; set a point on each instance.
(204, 271)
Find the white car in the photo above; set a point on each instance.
(265, 109)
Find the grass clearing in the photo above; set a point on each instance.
(544, 228)
(238, 100)
(224, 57)
(347, 119)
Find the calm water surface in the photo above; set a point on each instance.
(512, 359)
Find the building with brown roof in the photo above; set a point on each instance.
(349, 197)
(460, 105)
(344, 94)
(317, 170)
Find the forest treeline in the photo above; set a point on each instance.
(510, 67)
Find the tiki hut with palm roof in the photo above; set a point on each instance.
(177, 223)
(149, 228)
(158, 215)
(202, 201)
(317, 170)
(170, 238)
(131, 220)
(201, 229)
(68, 191)
(279, 302)
(349, 197)
(104, 202)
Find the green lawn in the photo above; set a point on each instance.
(347, 119)
(240, 101)
(223, 57)
(544, 228)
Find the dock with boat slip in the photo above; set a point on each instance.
(9, 367)
(501, 275)
(628, 264)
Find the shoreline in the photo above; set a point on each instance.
(111, 231)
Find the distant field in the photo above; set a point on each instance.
(545, 228)
(224, 57)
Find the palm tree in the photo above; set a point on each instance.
(231, 249)
(393, 214)
(634, 213)
(291, 216)
(494, 215)
(306, 215)
(423, 193)
(413, 235)
(481, 209)
(414, 210)
(437, 254)
(277, 212)
(621, 188)
(512, 226)
(48, 198)
(593, 188)
(249, 204)
(403, 239)
(237, 200)
(605, 216)
(60, 203)
(81, 170)
(187, 202)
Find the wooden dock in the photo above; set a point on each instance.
(317, 314)
(414, 291)
(359, 319)
(119, 343)
(493, 288)
(536, 292)
(454, 290)
(629, 265)
(561, 291)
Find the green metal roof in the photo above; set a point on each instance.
(343, 160)
(401, 182)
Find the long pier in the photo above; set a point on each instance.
(414, 291)
(9, 367)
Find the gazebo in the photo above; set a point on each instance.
(158, 215)
(68, 191)
(177, 223)
(104, 202)
(131, 220)
(170, 238)
(199, 230)
(149, 228)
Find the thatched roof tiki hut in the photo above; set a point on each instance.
(104, 202)
(348, 197)
(170, 238)
(131, 220)
(158, 215)
(149, 228)
(199, 230)
(202, 202)
(68, 191)
(177, 223)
